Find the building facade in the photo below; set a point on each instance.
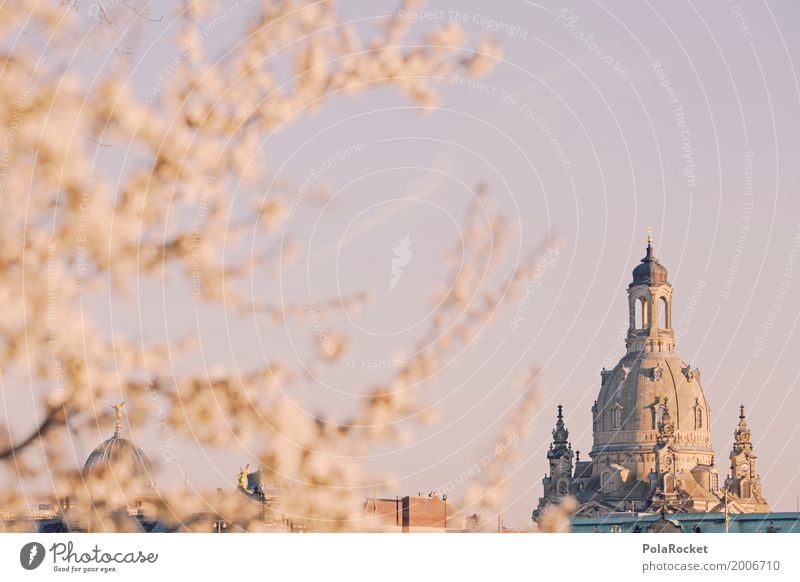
(412, 513)
(651, 450)
(716, 522)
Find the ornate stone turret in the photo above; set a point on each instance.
(560, 447)
(741, 436)
(557, 483)
(744, 483)
(650, 306)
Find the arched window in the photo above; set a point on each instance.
(698, 417)
(714, 482)
(616, 417)
(641, 313)
(663, 313)
(745, 489)
(605, 481)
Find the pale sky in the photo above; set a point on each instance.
(693, 127)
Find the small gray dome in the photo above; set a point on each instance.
(120, 452)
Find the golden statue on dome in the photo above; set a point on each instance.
(118, 414)
(243, 476)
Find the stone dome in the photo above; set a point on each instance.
(635, 395)
(121, 454)
(649, 271)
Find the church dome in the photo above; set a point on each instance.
(636, 395)
(123, 458)
(649, 271)
(651, 395)
(118, 452)
(651, 426)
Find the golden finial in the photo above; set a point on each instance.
(650, 235)
(118, 413)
